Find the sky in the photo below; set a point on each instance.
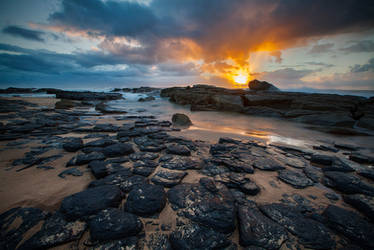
(294, 44)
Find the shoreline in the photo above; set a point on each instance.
(242, 172)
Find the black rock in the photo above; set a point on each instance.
(313, 173)
(100, 143)
(215, 209)
(176, 149)
(73, 144)
(88, 150)
(366, 172)
(98, 169)
(168, 178)
(193, 236)
(127, 243)
(82, 159)
(238, 181)
(295, 179)
(255, 229)
(363, 203)
(310, 233)
(267, 164)
(338, 165)
(181, 163)
(322, 159)
(90, 201)
(159, 241)
(257, 85)
(118, 149)
(361, 158)
(348, 183)
(11, 232)
(70, 171)
(55, 231)
(123, 179)
(351, 225)
(144, 171)
(146, 199)
(137, 156)
(112, 224)
(181, 120)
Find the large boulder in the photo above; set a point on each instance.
(261, 86)
(181, 120)
(205, 203)
(112, 224)
(146, 199)
(90, 201)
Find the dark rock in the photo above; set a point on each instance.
(11, 232)
(361, 158)
(88, 150)
(65, 104)
(310, 233)
(70, 171)
(105, 109)
(313, 173)
(322, 159)
(158, 241)
(345, 146)
(181, 120)
(98, 169)
(82, 159)
(295, 179)
(73, 144)
(363, 203)
(238, 181)
(112, 224)
(127, 243)
(267, 164)
(257, 85)
(90, 201)
(214, 209)
(123, 179)
(351, 225)
(87, 96)
(255, 229)
(55, 231)
(176, 149)
(326, 148)
(100, 143)
(146, 99)
(193, 236)
(366, 172)
(118, 149)
(168, 178)
(143, 156)
(338, 165)
(348, 183)
(146, 199)
(181, 163)
(331, 196)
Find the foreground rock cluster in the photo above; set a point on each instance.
(155, 190)
(350, 115)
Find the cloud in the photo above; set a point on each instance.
(321, 48)
(24, 33)
(360, 46)
(326, 65)
(363, 68)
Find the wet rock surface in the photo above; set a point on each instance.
(296, 179)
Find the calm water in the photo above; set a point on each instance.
(209, 125)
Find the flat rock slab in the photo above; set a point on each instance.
(11, 235)
(177, 149)
(255, 229)
(238, 181)
(90, 201)
(168, 178)
(193, 236)
(146, 199)
(361, 202)
(123, 179)
(181, 163)
(205, 203)
(98, 169)
(350, 224)
(295, 179)
(348, 183)
(310, 233)
(118, 149)
(55, 231)
(113, 224)
(82, 159)
(267, 164)
(73, 144)
(100, 143)
(127, 243)
(159, 241)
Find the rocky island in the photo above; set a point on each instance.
(77, 173)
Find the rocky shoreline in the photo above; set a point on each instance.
(336, 114)
(149, 189)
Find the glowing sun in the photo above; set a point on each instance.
(241, 79)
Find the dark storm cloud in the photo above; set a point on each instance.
(364, 67)
(360, 46)
(24, 33)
